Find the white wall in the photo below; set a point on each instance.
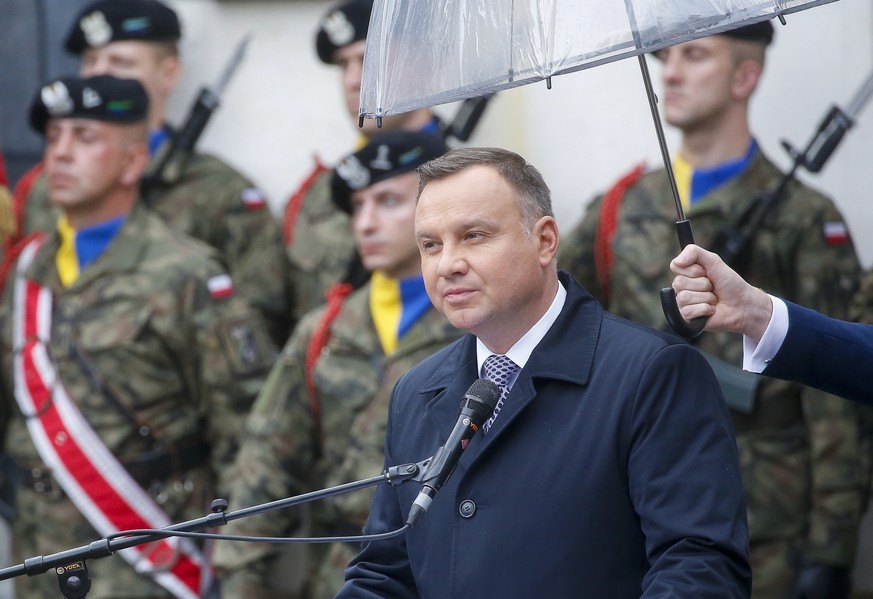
(284, 105)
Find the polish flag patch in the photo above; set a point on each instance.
(253, 198)
(836, 233)
(220, 286)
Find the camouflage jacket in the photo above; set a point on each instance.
(156, 365)
(319, 243)
(804, 453)
(217, 205)
(862, 306)
(354, 380)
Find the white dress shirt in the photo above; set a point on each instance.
(756, 357)
(522, 349)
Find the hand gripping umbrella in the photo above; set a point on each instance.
(427, 52)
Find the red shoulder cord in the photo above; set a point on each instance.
(11, 253)
(606, 224)
(335, 296)
(16, 242)
(295, 202)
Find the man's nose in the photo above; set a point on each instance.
(365, 218)
(61, 145)
(452, 261)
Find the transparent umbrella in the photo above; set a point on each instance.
(427, 52)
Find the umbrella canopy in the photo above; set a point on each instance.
(423, 53)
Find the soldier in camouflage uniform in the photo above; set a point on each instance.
(805, 458)
(148, 343)
(206, 198)
(317, 235)
(346, 359)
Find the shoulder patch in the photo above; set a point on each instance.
(835, 233)
(253, 198)
(220, 286)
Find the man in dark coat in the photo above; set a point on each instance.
(608, 468)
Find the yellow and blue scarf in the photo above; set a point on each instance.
(396, 305)
(694, 184)
(80, 248)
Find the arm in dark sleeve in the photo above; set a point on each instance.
(829, 354)
(684, 481)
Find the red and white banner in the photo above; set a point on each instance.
(93, 479)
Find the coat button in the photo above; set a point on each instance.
(467, 508)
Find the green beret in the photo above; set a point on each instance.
(108, 21)
(343, 24)
(383, 157)
(102, 98)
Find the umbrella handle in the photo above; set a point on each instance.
(689, 330)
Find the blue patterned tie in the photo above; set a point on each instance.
(499, 369)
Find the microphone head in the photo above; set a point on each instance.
(479, 401)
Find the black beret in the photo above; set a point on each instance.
(761, 32)
(108, 21)
(383, 157)
(103, 98)
(343, 24)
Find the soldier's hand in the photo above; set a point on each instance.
(816, 580)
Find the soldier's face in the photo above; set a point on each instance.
(350, 59)
(697, 78)
(86, 161)
(153, 65)
(482, 269)
(383, 221)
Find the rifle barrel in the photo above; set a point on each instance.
(231, 67)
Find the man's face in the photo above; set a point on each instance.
(383, 222)
(481, 268)
(350, 60)
(149, 63)
(698, 77)
(85, 161)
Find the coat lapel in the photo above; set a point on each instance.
(577, 327)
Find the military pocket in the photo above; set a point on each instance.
(111, 330)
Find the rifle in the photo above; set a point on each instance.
(733, 243)
(467, 117)
(168, 165)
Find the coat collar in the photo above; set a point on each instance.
(123, 253)
(577, 326)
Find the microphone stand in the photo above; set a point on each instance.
(69, 565)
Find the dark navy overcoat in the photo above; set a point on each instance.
(611, 471)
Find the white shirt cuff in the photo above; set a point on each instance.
(757, 357)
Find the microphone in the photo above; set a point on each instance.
(476, 407)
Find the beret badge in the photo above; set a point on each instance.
(96, 28)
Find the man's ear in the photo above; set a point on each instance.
(136, 160)
(745, 79)
(545, 231)
(170, 70)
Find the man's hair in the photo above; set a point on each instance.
(534, 197)
(165, 49)
(745, 50)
